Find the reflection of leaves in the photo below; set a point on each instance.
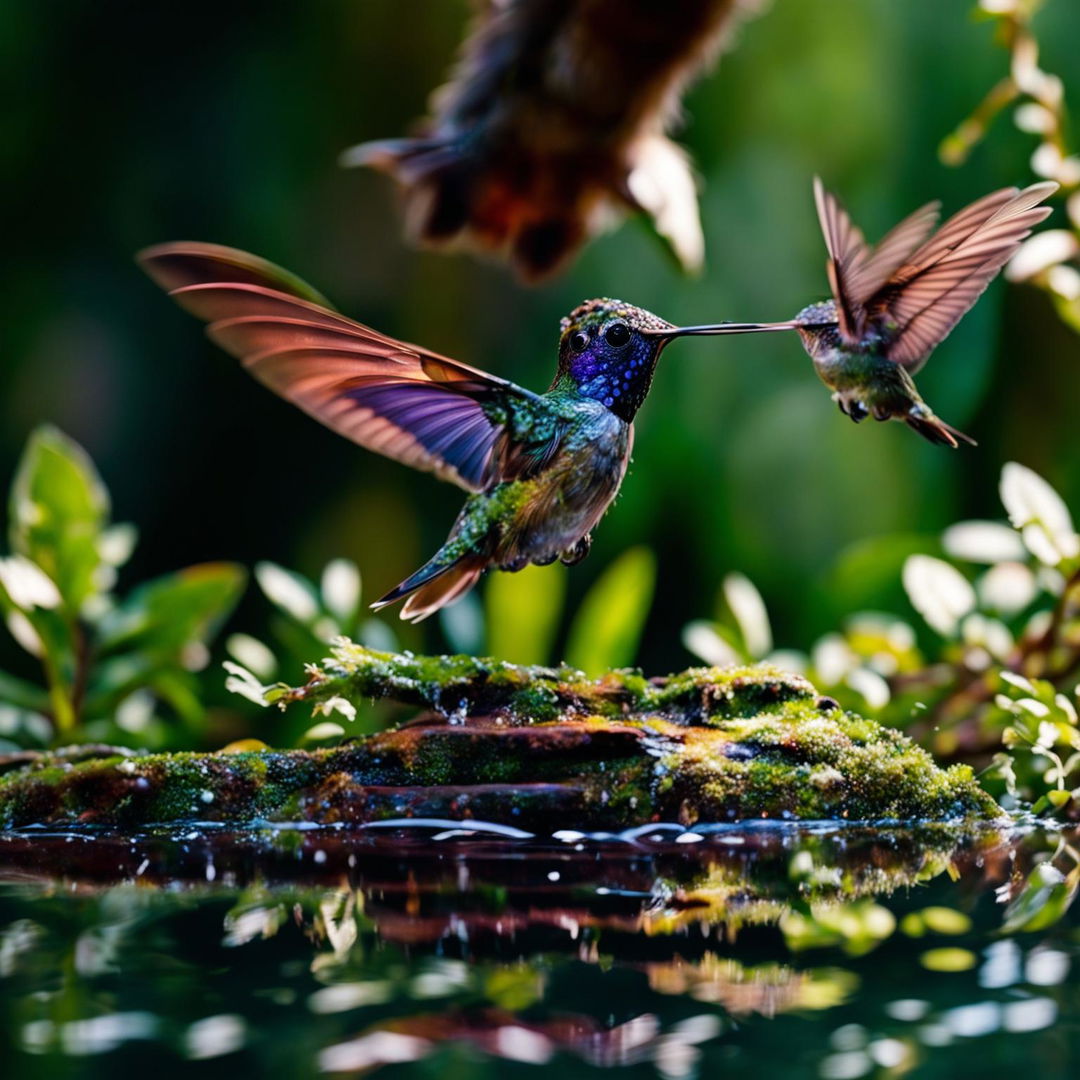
(935, 920)
(514, 988)
(609, 623)
(857, 927)
(948, 959)
(1046, 896)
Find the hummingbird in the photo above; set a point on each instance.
(540, 469)
(893, 304)
(554, 124)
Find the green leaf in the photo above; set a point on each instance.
(23, 727)
(54, 640)
(522, 613)
(1068, 310)
(608, 625)
(1052, 800)
(867, 573)
(22, 694)
(165, 616)
(59, 508)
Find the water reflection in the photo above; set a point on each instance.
(808, 951)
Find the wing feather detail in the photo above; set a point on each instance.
(856, 270)
(847, 250)
(894, 248)
(424, 410)
(922, 302)
(175, 265)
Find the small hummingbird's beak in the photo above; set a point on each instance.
(723, 328)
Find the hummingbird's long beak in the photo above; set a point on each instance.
(724, 328)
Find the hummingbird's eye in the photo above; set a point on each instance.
(579, 341)
(617, 335)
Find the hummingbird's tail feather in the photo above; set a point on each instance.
(435, 585)
(937, 431)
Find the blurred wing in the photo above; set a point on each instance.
(414, 406)
(857, 271)
(928, 296)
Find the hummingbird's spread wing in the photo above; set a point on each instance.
(173, 266)
(927, 296)
(412, 405)
(856, 270)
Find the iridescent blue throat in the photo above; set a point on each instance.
(617, 378)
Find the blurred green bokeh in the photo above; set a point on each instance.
(133, 123)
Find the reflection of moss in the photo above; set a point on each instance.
(540, 748)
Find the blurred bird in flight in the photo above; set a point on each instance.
(553, 123)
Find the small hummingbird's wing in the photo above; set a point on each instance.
(412, 405)
(927, 296)
(847, 249)
(856, 270)
(891, 251)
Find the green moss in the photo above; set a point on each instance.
(540, 747)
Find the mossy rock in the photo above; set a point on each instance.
(539, 748)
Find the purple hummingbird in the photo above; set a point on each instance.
(540, 469)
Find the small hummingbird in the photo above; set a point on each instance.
(893, 304)
(540, 469)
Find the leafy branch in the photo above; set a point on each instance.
(108, 661)
(1002, 687)
(1049, 259)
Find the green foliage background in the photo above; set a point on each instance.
(131, 123)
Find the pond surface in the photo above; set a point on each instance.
(439, 951)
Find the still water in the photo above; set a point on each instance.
(438, 951)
